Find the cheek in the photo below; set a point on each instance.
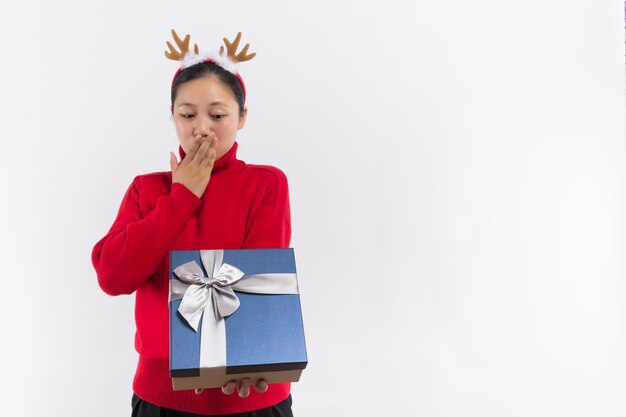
(180, 127)
(183, 131)
(222, 131)
(184, 136)
(232, 127)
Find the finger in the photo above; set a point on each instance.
(206, 167)
(244, 387)
(173, 162)
(197, 141)
(214, 140)
(211, 158)
(201, 153)
(209, 138)
(199, 390)
(229, 388)
(261, 386)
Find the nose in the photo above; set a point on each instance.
(202, 126)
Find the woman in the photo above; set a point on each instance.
(209, 200)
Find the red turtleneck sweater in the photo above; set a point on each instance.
(244, 206)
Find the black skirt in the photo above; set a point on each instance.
(143, 408)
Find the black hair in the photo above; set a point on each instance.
(204, 69)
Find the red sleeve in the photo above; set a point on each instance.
(132, 249)
(271, 224)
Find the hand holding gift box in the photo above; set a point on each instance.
(234, 314)
(242, 386)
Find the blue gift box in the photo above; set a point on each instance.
(234, 314)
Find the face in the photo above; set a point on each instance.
(206, 105)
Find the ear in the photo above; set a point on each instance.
(242, 119)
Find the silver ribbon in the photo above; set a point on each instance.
(215, 294)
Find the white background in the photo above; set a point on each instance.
(457, 173)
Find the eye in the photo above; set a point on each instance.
(218, 116)
(187, 115)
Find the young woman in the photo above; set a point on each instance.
(209, 200)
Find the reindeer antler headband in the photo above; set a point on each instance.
(229, 62)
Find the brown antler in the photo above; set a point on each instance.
(231, 48)
(183, 45)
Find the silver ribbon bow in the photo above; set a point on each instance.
(216, 293)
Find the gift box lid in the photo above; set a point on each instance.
(264, 334)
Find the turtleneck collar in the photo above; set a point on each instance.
(227, 160)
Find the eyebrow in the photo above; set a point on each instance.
(193, 105)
